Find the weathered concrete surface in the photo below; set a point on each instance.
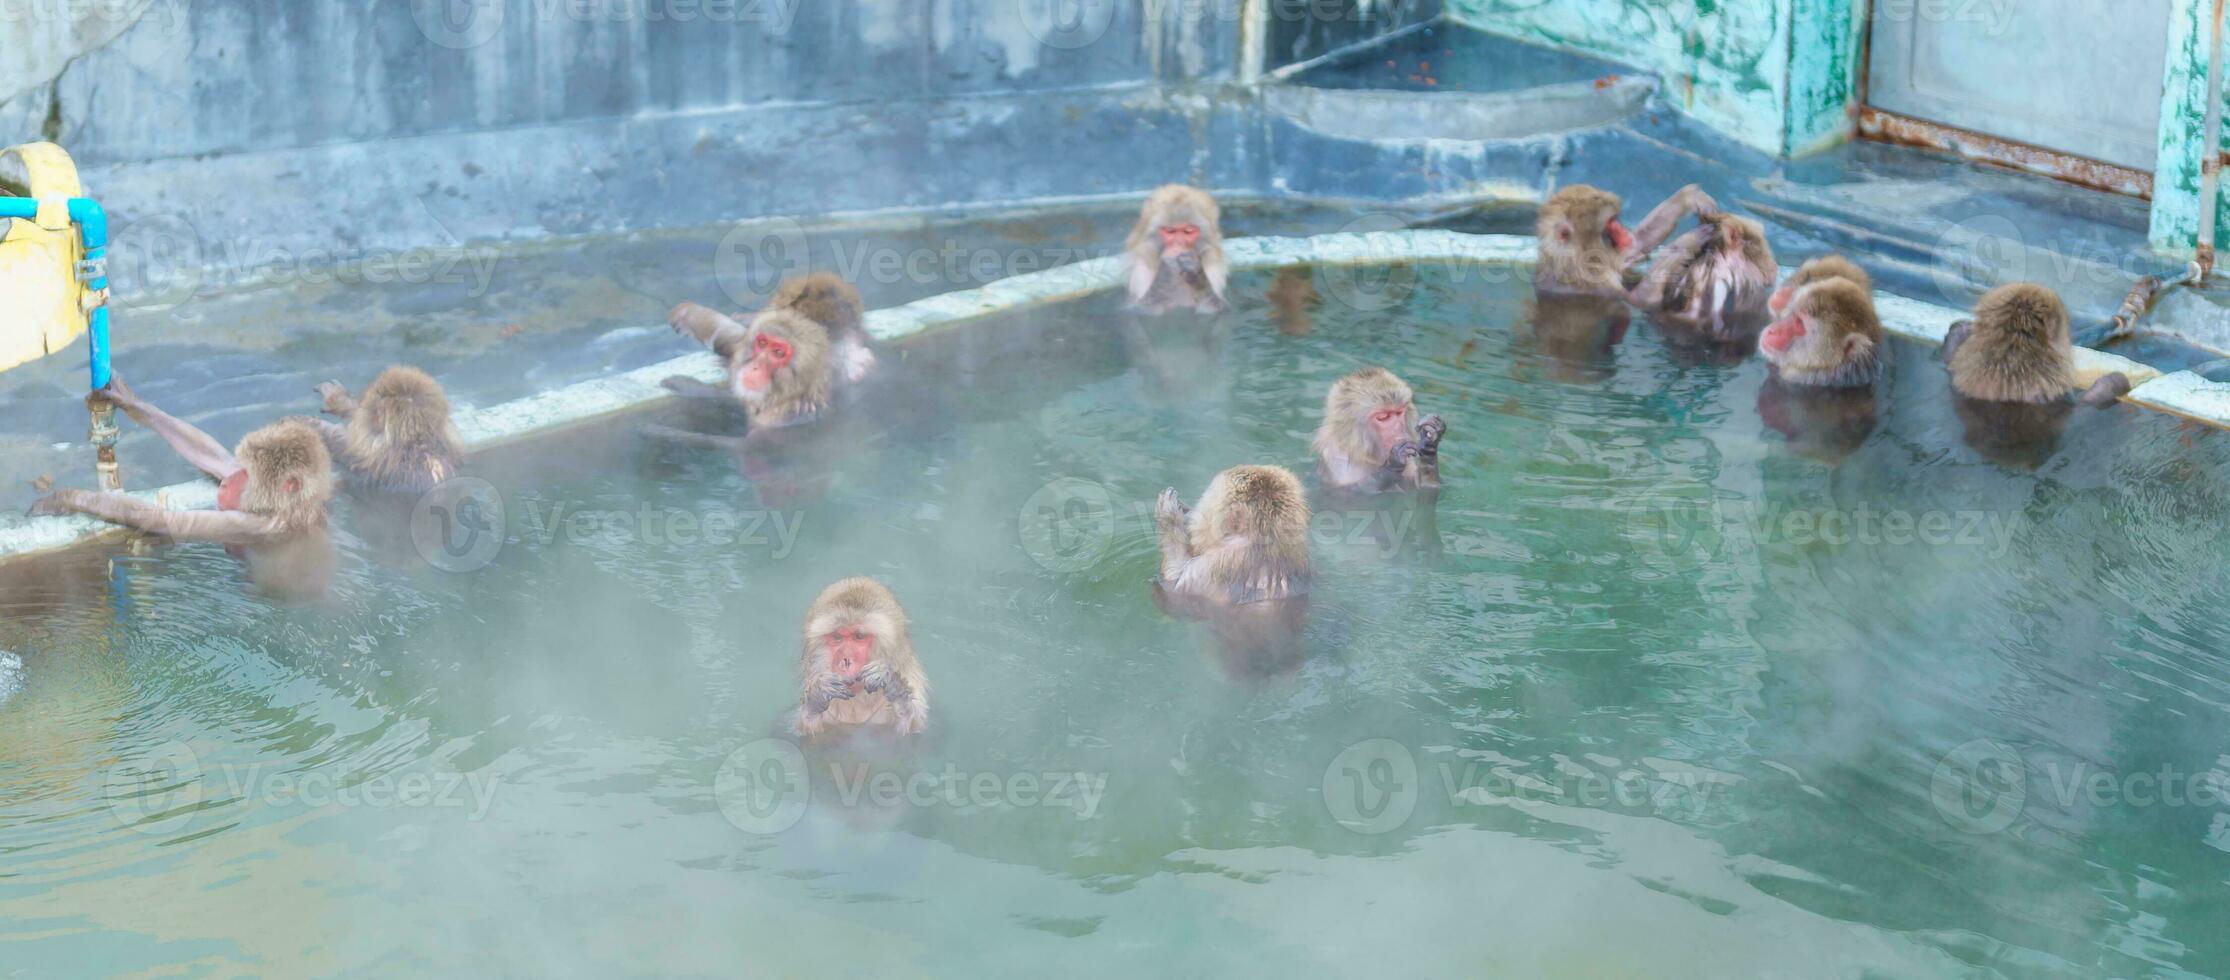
(1394, 117)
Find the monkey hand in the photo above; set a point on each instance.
(1429, 432)
(335, 396)
(877, 678)
(1170, 511)
(826, 688)
(1698, 202)
(117, 394)
(58, 503)
(1401, 454)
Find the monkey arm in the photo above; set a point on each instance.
(2107, 390)
(702, 324)
(193, 445)
(1954, 337)
(221, 527)
(1668, 268)
(338, 401)
(683, 437)
(1660, 222)
(1176, 544)
(688, 387)
(1428, 450)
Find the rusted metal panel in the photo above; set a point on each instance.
(1889, 127)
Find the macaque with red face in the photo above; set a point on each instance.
(1716, 277)
(1828, 335)
(857, 669)
(398, 438)
(1174, 256)
(271, 497)
(823, 297)
(1585, 249)
(1371, 440)
(780, 368)
(1824, 267)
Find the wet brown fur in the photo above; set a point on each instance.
(400, 435)
(280, 452)
(1575, 253)
(2019, 349)
(1840, 310)
(868, 604)
(801, 388)
(1345, 429)
(828, 300)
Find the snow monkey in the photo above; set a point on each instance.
(2018, 349)
(857, 668)
(1174, 257)
(271, 497)
(1371, 440)
(1717, 276)
(823, 297)
(397, 439)
(2013, 375)
(1828, 335)
(1584, 248)
(780, 368)
(1824, 267)
(1246, 541)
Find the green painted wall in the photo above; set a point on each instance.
(1778, 75)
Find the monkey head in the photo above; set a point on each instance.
(1582, 242)
(825, 298)
(780, 368)
(2019, 349)
(403, 419)
(1367, 414)
(857, 633)
(289, 473)
(1827, 335)
(1824, 267)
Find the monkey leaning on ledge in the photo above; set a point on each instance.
(272, 493)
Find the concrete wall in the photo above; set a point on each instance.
(1778, 75)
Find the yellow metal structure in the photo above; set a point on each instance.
(43, 307)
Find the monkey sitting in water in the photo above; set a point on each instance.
(823, 297)
(1240, 561)
(2013, 374)
(1828, 336)
(857, 669)
(398, 438)
(1370, 440)
(1585, 250)
(1715, 278)
(1174, 256)
(271, 497)
(780, 368)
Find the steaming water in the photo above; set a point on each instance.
(1638, 711)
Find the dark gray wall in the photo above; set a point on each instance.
(1300, 30)
(195, 77)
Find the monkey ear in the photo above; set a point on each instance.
(1563, 231)
(293, 484)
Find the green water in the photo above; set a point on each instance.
(1634, 705)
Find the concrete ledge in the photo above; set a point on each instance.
(2182, 394)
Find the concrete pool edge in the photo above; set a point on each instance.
(2182, 393)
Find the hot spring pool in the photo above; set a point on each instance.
(1660, 693)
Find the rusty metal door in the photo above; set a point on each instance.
(2078, 76)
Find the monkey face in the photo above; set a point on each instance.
(1177, 239)
(850, 648)
(770, 354)
(1389, 425)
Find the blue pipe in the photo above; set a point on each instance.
(19, 207)
(92, 230)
